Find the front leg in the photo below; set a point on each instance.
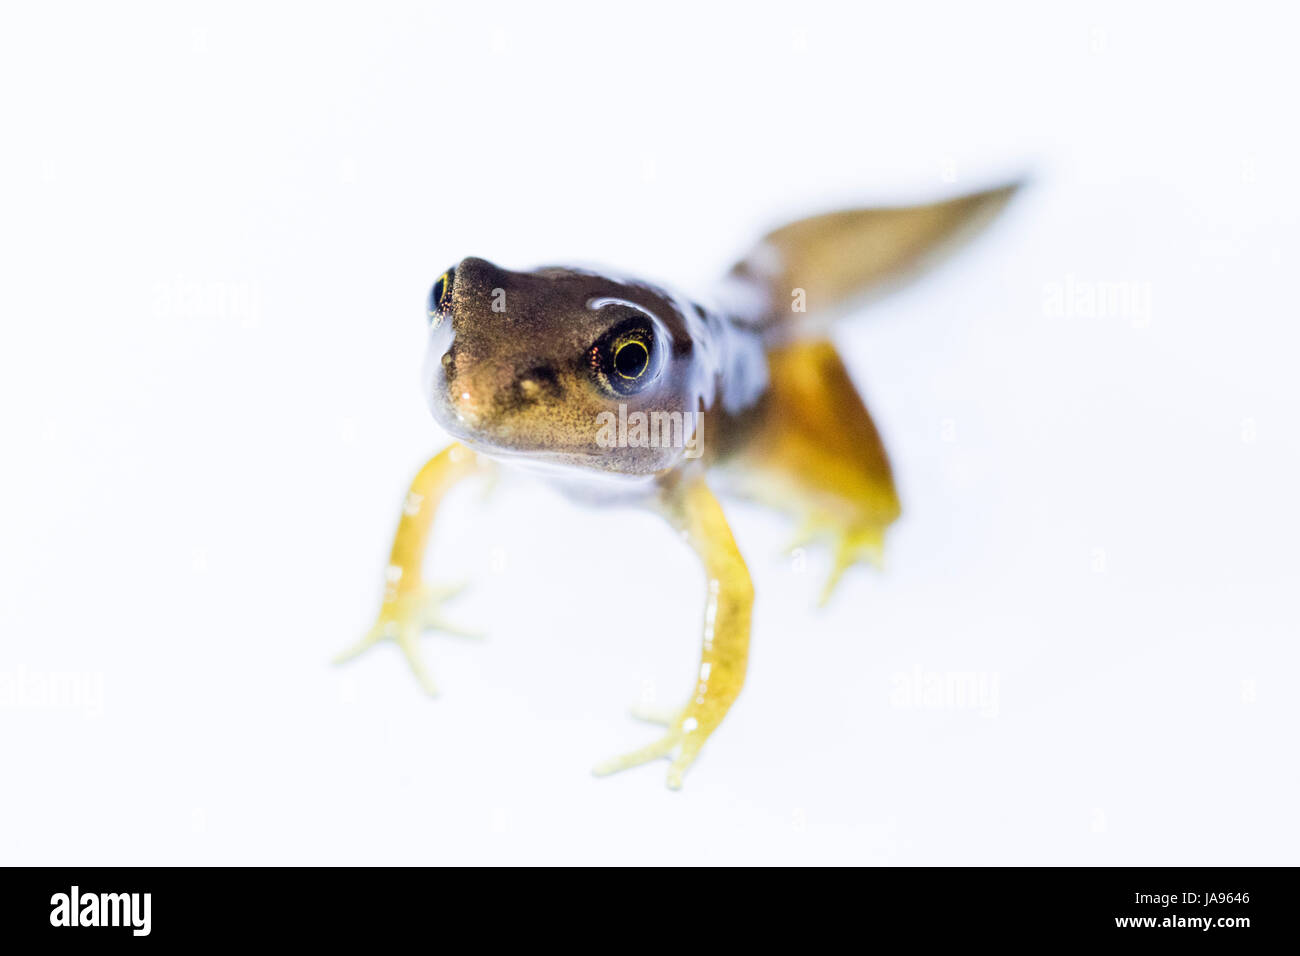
(409, 606)
(693, 508)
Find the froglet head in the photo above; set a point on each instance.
(545, 365)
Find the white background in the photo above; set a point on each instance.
(219, 229)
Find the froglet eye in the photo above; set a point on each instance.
(626, 358)
(631, 359)
(440, 296)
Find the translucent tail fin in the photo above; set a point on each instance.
(826, 264)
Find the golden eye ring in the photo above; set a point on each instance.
(628, 357)
(440, 296)
(631, 359)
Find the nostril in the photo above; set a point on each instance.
(449, 361)
(535, 384)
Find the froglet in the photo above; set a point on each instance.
(623, 391)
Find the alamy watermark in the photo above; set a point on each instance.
(651, 430)
(129, 910)
(1075, 298)
(946, 690)
(52, 690)
(185, 298)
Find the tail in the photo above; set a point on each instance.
(825, 265)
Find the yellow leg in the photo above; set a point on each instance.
(726, 634)
(410, 606)
(814, 450)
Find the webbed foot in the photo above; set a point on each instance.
(403, 617)
(853, 545)
(681, 743)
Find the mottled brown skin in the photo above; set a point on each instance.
(523, 367)
(510, 366)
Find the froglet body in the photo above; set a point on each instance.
(621, 390)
